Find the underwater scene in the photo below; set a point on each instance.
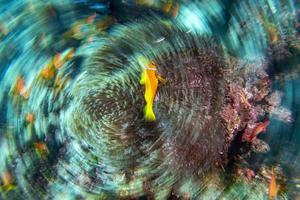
(149, 99)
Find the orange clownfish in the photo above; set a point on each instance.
(150, 78)
(273, 186)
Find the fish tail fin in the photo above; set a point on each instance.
(149, 114)
(143, 78)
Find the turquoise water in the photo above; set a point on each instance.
(72, 123)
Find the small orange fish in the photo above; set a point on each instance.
(105, 23)
(91, 18)
(58, 81)
(48, 72)
(150, 78)
(261, 127)
(249, 174)
(167, 7)
(40, 146)
(57, 61)
(175, 10)
(6, 178)
(19, 85)
(70, 54)
(76, 31)
(269, 27)
(19, 88)
(273, 34)
(30, 118)
(7, 181)
(26, 94)
(59, 84)
(273, 186)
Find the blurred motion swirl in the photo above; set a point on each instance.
(74, 109)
